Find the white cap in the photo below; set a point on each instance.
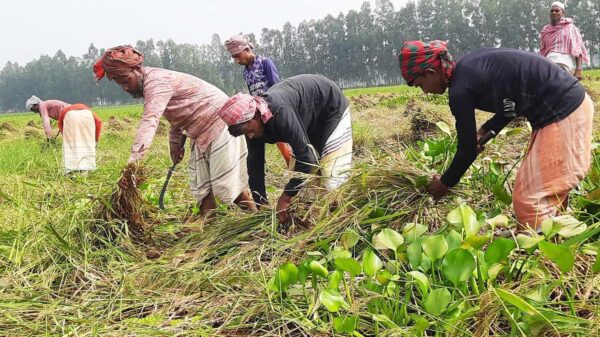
(558, 4)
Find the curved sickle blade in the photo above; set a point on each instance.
(161, 203)
(161, 199)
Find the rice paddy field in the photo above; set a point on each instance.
(375, 258)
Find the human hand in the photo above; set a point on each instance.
(282, 209)
(437, 188)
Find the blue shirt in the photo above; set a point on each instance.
(260, 75)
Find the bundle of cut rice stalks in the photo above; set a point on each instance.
(126, 207)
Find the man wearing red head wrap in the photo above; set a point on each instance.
(510, 83)
(217, 160)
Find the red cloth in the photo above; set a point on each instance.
(117, 61)
(563, 38)
(416, 57)
(241, 108)
(80, 106)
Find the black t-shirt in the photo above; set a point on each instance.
(508, 83)
(306, 110)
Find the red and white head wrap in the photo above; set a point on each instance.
(118, 61)
(241, 108)
(237, 44)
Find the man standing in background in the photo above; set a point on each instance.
(260, 73)
(561, 42)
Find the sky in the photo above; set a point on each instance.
(42, 27)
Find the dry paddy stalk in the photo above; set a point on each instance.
(126, 204)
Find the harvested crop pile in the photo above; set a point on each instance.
(6, 130)
(7, 127)
(33, 124)
(32, 132)
(363, 101)
(423, 119)
(114, 124)
(126, 204)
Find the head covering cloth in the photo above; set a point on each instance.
(33, 100)
(416, 57)
(118, 61)
(237, 44)
(241, 108)
(558, 4)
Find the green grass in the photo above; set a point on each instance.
(60, 277)
(396, 89)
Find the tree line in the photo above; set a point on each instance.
(356, 48)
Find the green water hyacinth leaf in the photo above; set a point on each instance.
(349, 265)
(558, 254)
(371, 263)
(286, 274)
(412, 231)
(495, 269)
(437, 301)
(478, 241)
(414, 253)
(387, 239)
(332, 300)
(526, 242)
(565, 225)
(501, 194)
(317, 268)
(435, 247)
(444, 128)
(596, 265)
(499, 220)
(349, 239)
(334, 279)
(421, 280)
(454, 239)
(339, 252)
(458, 265)
(499, 250)
(383, 277)
(464, 217)
(345, 324)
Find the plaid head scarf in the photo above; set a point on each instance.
(416, 57)
(241, 108)
(117, 61)
(237, 44)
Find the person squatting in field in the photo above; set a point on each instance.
(217, 164)
(510, 83)
(80, 128)
(260, 73)
(561, 42)
(312, 115)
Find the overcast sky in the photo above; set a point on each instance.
(32, 28)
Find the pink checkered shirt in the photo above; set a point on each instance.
(187, 102)
(563, 38)
(51, 109)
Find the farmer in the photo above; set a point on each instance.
(561, 43)
(217, 164)
(510, 83)
(80, 128)
(310, 113)
(260, 73)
